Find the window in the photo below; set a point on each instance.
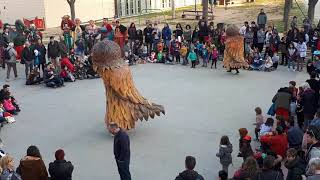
(120, 8)
(132, 6)
(163, 3)
(139, 6)
(127, 7)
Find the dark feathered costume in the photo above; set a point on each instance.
(125, 105)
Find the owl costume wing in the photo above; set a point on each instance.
(125, 105)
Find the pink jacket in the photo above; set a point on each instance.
(7, 104)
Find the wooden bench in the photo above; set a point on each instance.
(196, 14)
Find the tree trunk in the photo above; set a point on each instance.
(72, 8)
(311, 9)
(287, 8)
(173, 5)
(205, 4)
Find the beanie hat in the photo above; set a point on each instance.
(59, 154)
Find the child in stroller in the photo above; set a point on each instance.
(90, 73)
(80, 70)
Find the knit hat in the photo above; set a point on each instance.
(59, 154)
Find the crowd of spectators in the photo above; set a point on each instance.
(288, 138)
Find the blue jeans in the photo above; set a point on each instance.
(291, 63)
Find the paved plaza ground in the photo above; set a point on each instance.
(201, 106)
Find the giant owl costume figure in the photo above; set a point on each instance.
(125, 105)
(234, 49)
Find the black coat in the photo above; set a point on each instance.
(147, 32)
(309, 102)
(296, 168)
(189, 175)
(132, 32)
(268, 175)
(121, 146)
(314, 84)
(60, 170)
(27, 54)
(53, 50)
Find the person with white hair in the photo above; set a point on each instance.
(314, 169)
(11, 60)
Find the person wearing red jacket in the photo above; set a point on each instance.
(278, 142)
(66, 62)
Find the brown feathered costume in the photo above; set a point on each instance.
(125, 105)
(234, 49)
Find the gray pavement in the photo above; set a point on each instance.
(201, 106)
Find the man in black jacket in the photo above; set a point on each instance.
(60, 169)
(121, 150)
(147, 32)
(189, 173)
(28, 58)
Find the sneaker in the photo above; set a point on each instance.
(7, 80)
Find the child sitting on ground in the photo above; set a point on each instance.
(275, 60)
(34, 77)
(8, 105)
(153, 58)
(257, 63)
(258, 123)
(268, 66)
(225, 150)
(160, 58)
(267, 127)
(67, 75)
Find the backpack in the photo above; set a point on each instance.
(6, 54)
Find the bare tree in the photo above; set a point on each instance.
(311, 8)
(72, 8)
(287, 8)
(173, 5)
(205, 6)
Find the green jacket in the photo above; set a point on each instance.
(192, 56)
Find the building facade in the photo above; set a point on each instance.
(135, 7)
(53, 10)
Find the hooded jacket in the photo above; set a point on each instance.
(32, 168)
(296, 168)
(189, 175)
(225, 154)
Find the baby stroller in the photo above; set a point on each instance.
(90, 73)
(80, 70)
